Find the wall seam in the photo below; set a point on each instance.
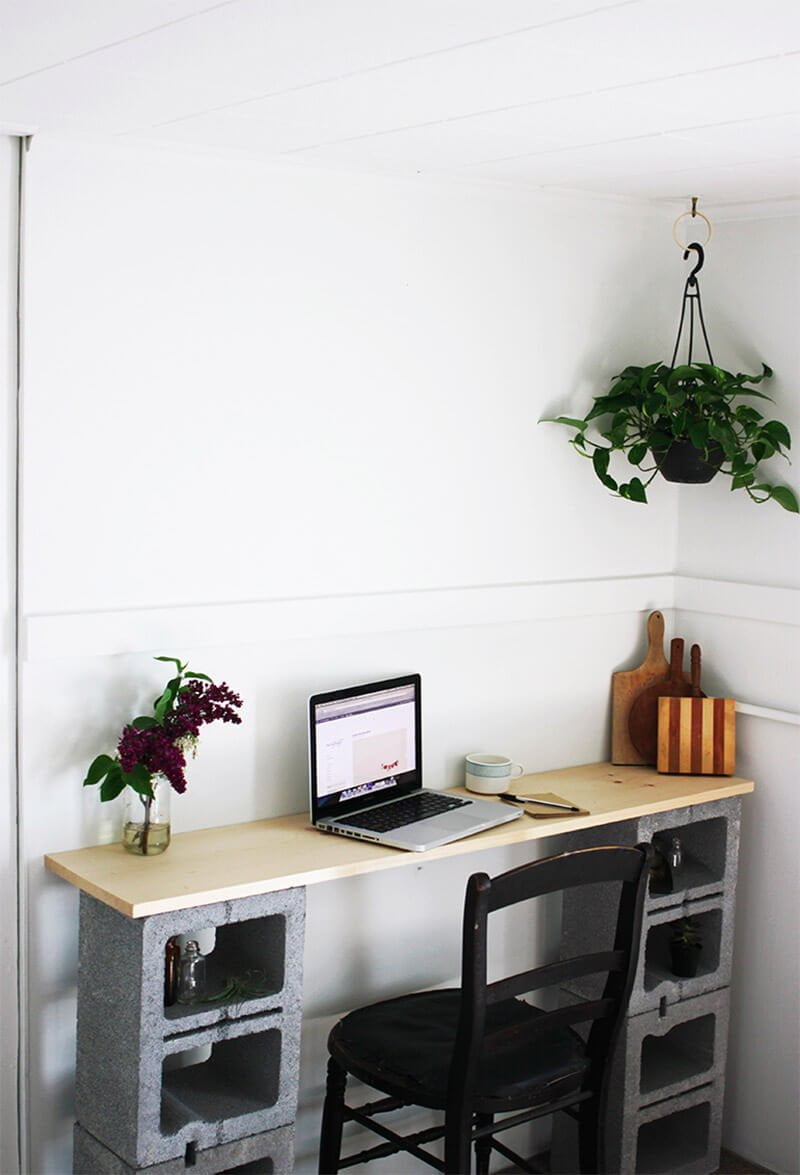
(21, 889)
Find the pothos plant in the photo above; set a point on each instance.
(649, 412)
(156, 744)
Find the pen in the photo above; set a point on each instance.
(506, 795)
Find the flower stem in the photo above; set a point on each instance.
(147, 801)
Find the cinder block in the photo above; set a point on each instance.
(128, 1094)
(709, 835)
(667, 1081)
(268, 1153)
(681, 1135)
(661, 1056)
(687, 1129)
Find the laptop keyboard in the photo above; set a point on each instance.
(405, 811)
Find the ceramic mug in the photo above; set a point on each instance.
(490, 774)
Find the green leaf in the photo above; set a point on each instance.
(112, 785)
(600, 459)
(99, 768)
(205, 677)
(174, 661)
(778, 433)
(742, 479)
(636, 491)
(786, 498)
(569, 421)
(144, 722)
(698, 433)
(637, 453)
(139, 779)
(164, 703)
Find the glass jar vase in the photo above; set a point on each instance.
(145, 821)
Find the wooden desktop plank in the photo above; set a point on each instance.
(238, 860)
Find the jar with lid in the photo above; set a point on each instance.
(676, 861)
(191, 975)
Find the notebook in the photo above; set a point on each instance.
(365, 769)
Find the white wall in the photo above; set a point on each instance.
(751, 285)
(8, 824)
(310, 405)
(222, 362)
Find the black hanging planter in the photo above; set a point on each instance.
(687, 465)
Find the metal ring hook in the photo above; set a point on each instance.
(701, 257)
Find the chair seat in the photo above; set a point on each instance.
(403, 1047)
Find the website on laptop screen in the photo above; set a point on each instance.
(364, 744)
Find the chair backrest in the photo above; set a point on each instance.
(613, 969)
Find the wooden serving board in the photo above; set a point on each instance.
(627, 684)
(643, 717)
(696, 736)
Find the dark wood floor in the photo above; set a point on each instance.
(731, 1164)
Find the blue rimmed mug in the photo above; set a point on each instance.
(490, 774)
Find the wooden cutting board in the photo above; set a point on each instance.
(627, 684)
(643, 717)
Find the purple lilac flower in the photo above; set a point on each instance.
(200, 703)
(156, 751)
(159, 749)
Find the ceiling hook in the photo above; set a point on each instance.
(692, 278)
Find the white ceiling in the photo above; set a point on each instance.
(646, 99)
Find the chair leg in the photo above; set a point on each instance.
(588, 1138)
(483, 1146)
(330, 1142)
(458, 1143)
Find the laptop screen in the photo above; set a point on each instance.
(365, 745)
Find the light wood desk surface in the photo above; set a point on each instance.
(238, 860)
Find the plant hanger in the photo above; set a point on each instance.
(691, 290)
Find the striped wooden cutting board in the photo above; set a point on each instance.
(696, 736)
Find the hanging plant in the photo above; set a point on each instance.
(687, 422)
(659, 416)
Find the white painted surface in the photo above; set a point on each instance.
(620, 98)
(339, 381)
(222, 366)
(8, 823)
(215, 358)
(763, 1090)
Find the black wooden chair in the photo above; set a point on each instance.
(486, 1058)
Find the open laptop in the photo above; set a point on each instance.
(365, 755)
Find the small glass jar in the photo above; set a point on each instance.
(145, 820)
(191, 975)
(676, 861)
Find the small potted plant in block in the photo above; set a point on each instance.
(685, 946)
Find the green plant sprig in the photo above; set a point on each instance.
(686, 933)
(647, 409)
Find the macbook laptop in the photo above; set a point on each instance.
(365, 757)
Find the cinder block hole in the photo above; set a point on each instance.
(686, 1051)
(674, 1141)
(657, 966)
(240, 1076)
(704, 846)
(249, 958)
(190, 1155)
(255, 1167)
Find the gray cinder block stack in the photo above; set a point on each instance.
(667, 1084)
(212, 1085)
